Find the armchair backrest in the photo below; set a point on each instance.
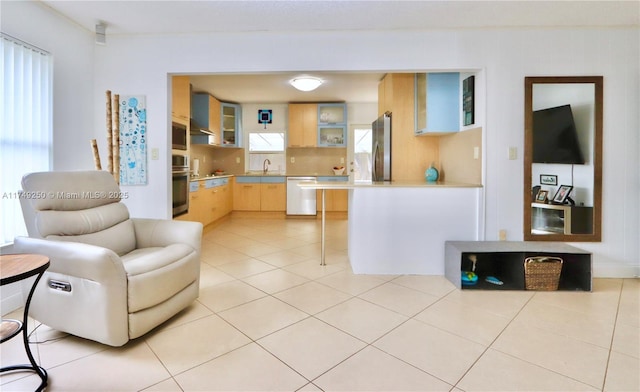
(79, 206)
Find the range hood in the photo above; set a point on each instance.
(197, 129)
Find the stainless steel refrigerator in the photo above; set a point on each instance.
(381, 148)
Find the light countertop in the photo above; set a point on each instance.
(386, 184)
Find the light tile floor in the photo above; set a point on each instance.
(270, 318)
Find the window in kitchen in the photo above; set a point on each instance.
(362, 154)
(26, 123)
(267, 148)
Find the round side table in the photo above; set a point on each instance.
(14, 268)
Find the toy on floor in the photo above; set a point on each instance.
(469, 278)
(494, 280)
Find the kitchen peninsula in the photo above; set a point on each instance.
(400, 227)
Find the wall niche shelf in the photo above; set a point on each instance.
(505, 261)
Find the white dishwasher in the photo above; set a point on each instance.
(300, 201)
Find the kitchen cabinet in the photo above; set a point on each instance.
(437, 103)
(303, 125)
(181, 98)
(273, 194)
(260, 193)
(246, 194)
(335, 200)
(231, 124)
(385, 95)
(209, 200)
(206, 112)
(332, 125)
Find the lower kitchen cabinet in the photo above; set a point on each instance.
(246, 194)
(209, 200)
(273, 194)
(260, 193)
(335, 200)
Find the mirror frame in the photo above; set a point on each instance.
(529, 81)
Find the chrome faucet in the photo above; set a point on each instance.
(265, 166)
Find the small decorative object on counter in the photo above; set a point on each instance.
(338, 170)
(431, 174)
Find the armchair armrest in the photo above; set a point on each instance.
(77, 259)
(163, 232)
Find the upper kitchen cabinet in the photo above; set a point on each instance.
(385, 95)
(231, 124)
(181, 98)
(205, 112)
(332, 125)
(437, 103)
(303, 125)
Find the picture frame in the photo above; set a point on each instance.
(541, 197)
(562, 194)
(548, 179)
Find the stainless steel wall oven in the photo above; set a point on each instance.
(180, 183)
(179, 136)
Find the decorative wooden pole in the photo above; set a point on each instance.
(96, 154)
(109, 134)
(115, 146)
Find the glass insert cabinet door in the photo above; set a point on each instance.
(231, 124)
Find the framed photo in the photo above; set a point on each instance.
(541, 197)
(548, 179)
(562, 194)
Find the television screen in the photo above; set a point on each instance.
(555, 139)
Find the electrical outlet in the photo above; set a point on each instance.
(237, 159)
(155, 154)
(293, 160)
(502, 235)
(341, 159)
(513, 153)
(476, 152)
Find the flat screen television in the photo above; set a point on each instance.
(555, 139)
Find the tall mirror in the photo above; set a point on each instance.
(563, 158)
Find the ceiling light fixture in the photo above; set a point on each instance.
(306, 83)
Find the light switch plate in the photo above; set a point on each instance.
(293, 159)
(513, 153)
(476, 152)
(155, 154)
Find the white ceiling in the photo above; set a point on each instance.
(130, 18)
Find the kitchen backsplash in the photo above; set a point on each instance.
(212, 159)
(318, 161)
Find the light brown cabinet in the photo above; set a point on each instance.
(211, 201)
(273, 197)
(335, 200)
(303, 125)
(258, 193)
(181, 98)
(246, 196)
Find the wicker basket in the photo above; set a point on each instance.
(542, 273)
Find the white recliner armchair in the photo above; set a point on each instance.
(112, 278)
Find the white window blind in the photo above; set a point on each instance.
(26, 104)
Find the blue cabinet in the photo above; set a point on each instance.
(437, 103)
(332, 125)
(230, 124)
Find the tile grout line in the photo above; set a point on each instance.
(613, 335)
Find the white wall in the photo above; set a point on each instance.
(73, 50)
(140, 65)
